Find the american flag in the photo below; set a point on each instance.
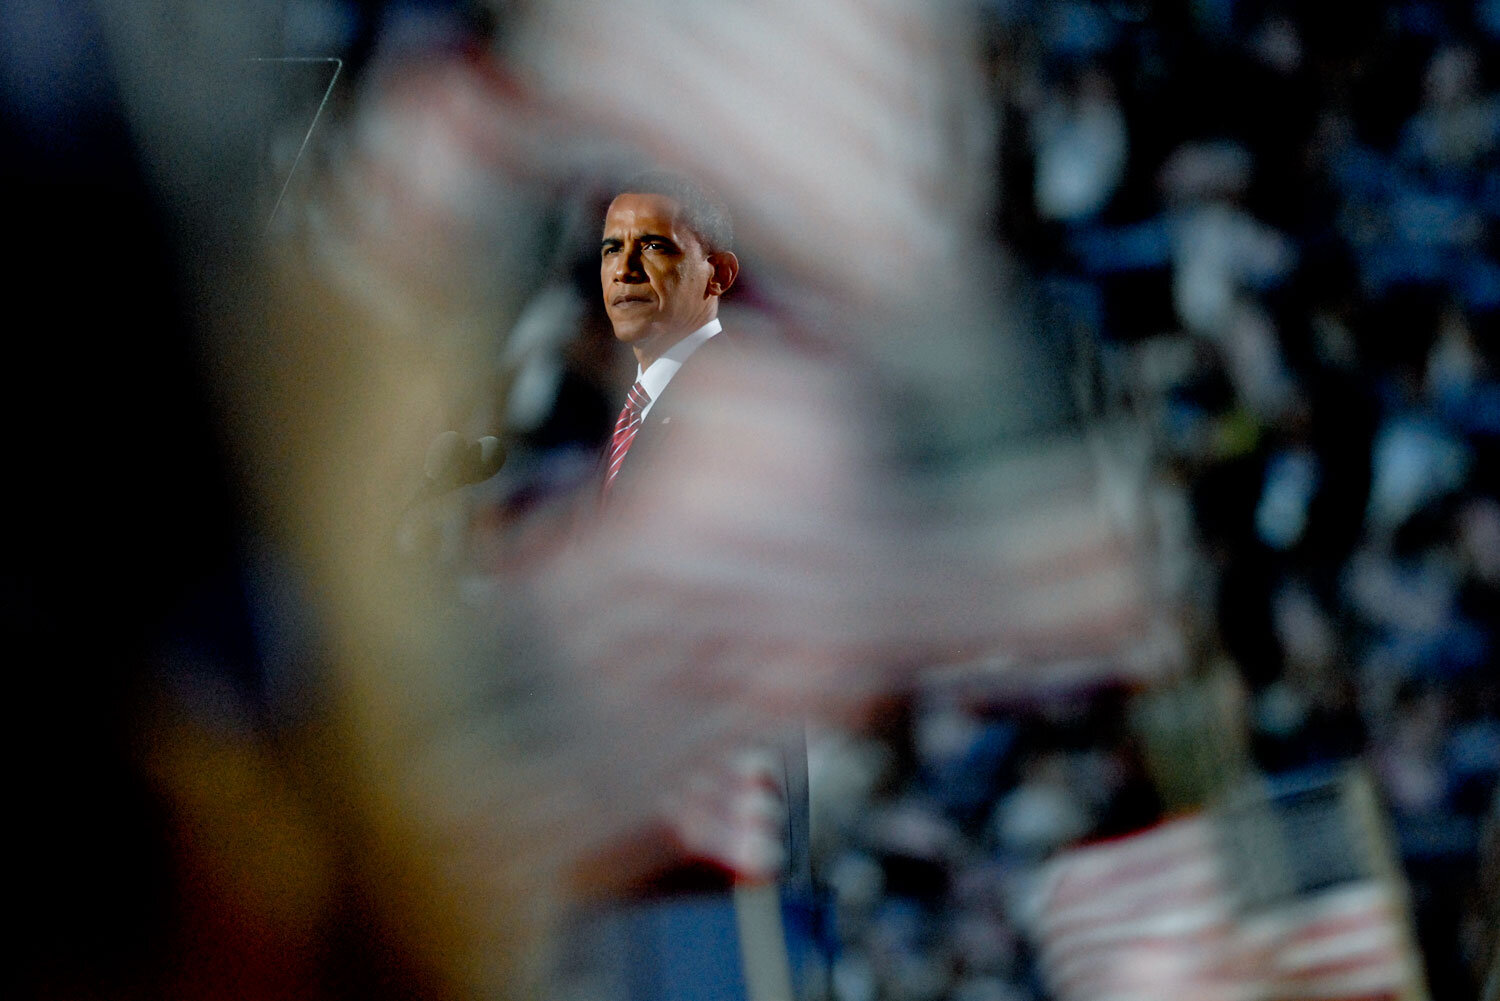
(814, 541)
(1259, 900)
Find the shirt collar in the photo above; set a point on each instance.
(654, 379)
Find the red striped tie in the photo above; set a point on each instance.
(628, 423)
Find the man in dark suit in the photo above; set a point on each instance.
(698, 915)
(664, 262)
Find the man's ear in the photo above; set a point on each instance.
(726, 268)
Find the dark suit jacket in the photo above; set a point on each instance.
(666, 416)
(666, 413)
(667, 873)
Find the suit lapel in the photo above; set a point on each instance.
(664, 416)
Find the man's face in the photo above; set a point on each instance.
(659, 283)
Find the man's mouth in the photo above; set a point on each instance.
(628, 300)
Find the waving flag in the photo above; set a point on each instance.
(1282, 894)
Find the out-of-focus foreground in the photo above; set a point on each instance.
(1109, 486)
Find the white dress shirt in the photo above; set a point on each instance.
(654, 379)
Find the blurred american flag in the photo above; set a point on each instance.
(1219, 906)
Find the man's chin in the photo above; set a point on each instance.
(631, 330)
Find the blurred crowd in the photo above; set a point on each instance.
(1269, 231)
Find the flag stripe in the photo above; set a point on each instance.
(1152, 915)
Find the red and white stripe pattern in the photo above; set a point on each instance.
(1150, 916)
(626, 427)
(1346, 943)
(734, 815)
(763, 573)
(1145, 916)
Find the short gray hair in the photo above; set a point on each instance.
(702, 210)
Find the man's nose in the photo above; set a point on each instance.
(628, 266)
